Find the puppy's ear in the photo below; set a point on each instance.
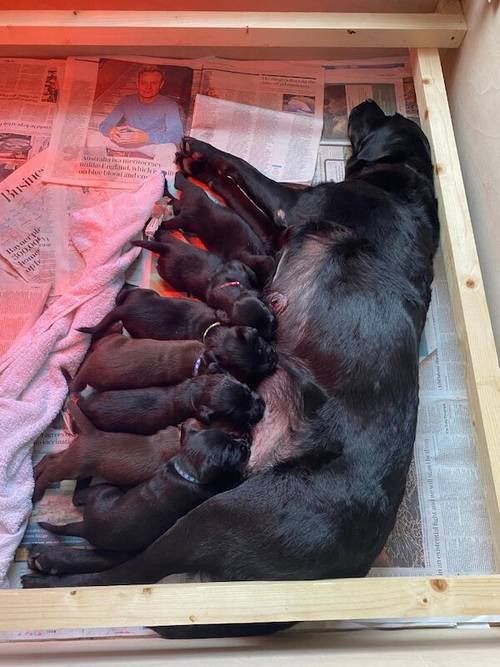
(214, 368)
(247, 334)
(188, 428)
(262, 265)
(222, 316)
(205, 414)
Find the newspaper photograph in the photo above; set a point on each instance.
(120, 121)
(29, 92)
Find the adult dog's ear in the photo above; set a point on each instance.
(363, 120)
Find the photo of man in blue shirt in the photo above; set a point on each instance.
(146, 118)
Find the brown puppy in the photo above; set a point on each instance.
(209, 461)
(150, 409)
(120, 458)
(119, 362)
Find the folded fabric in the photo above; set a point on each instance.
(32, 385)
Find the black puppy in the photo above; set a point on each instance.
(188, 268)
(209, 461)
(354, 287)
(229, 286)
(221, 229)
(150, 409)
(145, 314)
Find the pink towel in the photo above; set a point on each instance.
(32, 386)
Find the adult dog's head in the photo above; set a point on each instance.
(377, 138)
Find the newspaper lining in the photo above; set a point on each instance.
(442, 526)
(29, 93)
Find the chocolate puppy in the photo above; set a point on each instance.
(119, 362)
(209, 461)
(120, 458)
(145, 314)
(150, 409)
(221, 229)
(240, 350)
(230, 286)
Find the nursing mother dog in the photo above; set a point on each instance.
(330, 458)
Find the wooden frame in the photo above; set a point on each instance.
(390, 597)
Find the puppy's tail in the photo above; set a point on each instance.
(154, 246)
(104, 324)
(76, 529)
(81, 422)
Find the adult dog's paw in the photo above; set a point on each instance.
(40, 559)
(39, 581)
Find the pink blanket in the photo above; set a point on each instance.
(32, 386)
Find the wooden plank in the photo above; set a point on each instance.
(464, 277)
(243, 602)
(246, 29)
(416, 647)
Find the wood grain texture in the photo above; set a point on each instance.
(416, 647)
(464, 278)
(246, 29)
(243, 602)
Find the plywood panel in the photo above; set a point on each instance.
(241, 29)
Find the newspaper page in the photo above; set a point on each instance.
(20, 307)
(120, 120)
(284, 144)
(29, 92)
(281, 145)
(34, 238)
(287, 87)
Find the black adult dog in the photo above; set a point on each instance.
(353, 288)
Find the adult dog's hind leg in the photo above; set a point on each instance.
(61, 559)
(269, 195)
(219, 538)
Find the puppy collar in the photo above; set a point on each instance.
(197, 365)
(209, 328)
(185, 475)
(233, 283)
